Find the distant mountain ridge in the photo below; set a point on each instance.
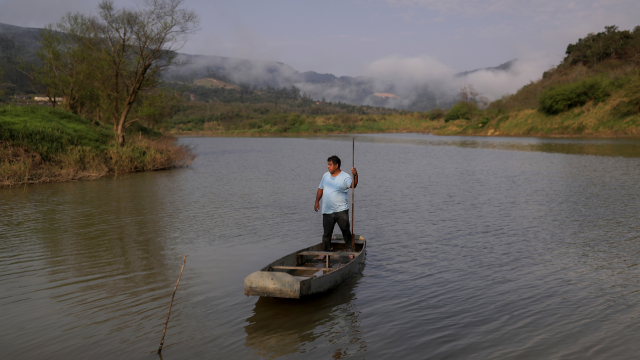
(23, 36)
(502, 67)
(359, 90)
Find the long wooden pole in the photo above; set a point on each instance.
(353, 190)
(184, 260)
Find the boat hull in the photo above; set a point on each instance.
(281, 284)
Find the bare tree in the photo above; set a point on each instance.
(133, 47)
(64, 72)
(469, 95)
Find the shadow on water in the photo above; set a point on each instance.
(280, 327)
(572, 146)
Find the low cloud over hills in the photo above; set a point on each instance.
(415, 83)
(418, 83)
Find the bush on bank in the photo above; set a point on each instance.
(461, 111)
(41, 144)
(563, 97)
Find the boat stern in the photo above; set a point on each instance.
(272, 284)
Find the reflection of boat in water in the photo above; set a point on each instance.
(301, 274)
(280, 327)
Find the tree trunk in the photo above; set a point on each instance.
(132, 97)
(120, 139)
(120, 124)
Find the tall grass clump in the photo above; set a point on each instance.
(145, 154)
(631, 104)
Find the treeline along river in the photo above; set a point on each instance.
(479, 248)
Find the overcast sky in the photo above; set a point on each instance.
(353, 37)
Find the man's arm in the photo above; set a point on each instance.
(354, 183)
(318, 197)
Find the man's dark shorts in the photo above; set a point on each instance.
(329, 222)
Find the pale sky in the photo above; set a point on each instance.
(353, 37)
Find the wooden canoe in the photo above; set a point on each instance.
(301, 274)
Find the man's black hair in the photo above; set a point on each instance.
(334, 159)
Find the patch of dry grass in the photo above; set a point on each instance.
(20, 166)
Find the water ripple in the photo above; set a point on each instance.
(477, 248)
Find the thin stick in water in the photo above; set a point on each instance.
(184, 260)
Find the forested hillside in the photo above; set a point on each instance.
(17, 45)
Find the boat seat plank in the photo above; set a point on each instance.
(339, 237)
(299, 268)
(330, 253)
(340, 241)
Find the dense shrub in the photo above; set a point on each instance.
(294, 120)
(436, 114)
(566, 96)
(460, 111)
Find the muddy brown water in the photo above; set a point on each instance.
(478, 248)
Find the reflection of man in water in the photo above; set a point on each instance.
(335, 186)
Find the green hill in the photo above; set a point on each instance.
(594, 91)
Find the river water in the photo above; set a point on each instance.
(478, 248)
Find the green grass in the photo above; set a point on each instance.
(590, 120)
(49, 131)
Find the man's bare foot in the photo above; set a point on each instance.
(320, 257)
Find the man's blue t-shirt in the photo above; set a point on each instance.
(334, 192)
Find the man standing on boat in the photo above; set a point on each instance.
(334, 186)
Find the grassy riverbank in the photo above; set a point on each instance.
(41, 144)
(294, 124)
(587, 121)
